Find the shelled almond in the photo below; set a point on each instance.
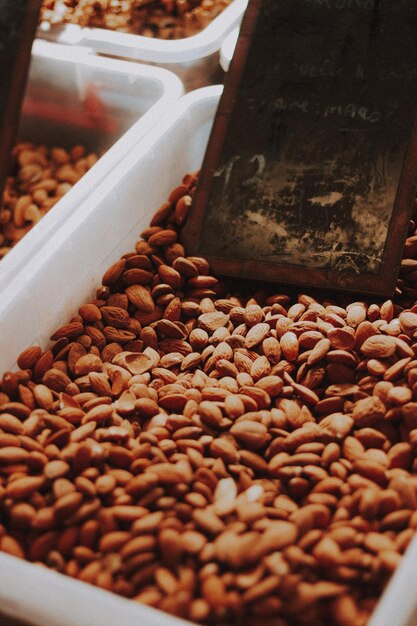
(40, 177)
(225, 457)
(165, 19)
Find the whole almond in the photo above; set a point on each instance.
(319, 351)
(212, 321)
(408, 321)
(28, 358)
(253, 314)
(224, 449)
(23, 487)
(140, 297)
(56, 380)
(289, 346)
(273, 385)
(249, 433)
(379, 346)
(114, 316)
(234, 406)
(277, 536)
(341, 338)
(67, 505)
(69, 331)
(90, 313)
(260, 368)
(11, 424)
(13, 454)
(99, 413)
(356, 315)
(163, 238)
(368, 411)
(256, 334)
(271, 349)
(338, 424)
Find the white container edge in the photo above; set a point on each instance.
(151, 49)
(228, 48)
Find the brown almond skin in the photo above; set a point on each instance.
(29, 357)
(67, 505)
(90, 313)
(250, 434)
(24, 487)
(13, 454)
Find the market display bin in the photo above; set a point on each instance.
(59, 279)
(76, 97)
(194, 59)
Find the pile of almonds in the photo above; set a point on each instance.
(225, 458)
(40, 177)
(165, 19)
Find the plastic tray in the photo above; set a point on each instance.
(77, 97)
(59, 279)
(194, 59)
(228, 48)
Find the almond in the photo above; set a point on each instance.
(319, 351)
(256, 334)
(13, 454)
(68, 331)
(250, 434)
(212, 321)
(114, 316)
(289, 346)
(273, 385)
(29, 357)
(23, 487)
(368, 411)
(260, 368)
(342, 338)
(379, 346)
(408, 321)
(90, 313)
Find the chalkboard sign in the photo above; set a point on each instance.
(311, 169)
(18, 22)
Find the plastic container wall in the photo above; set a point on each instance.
(194, 59)
(76, 97)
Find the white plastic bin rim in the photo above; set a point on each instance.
(227, 50)
(171, 89)
(151, 49)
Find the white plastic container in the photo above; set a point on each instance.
(194, 59)
(63, 85)
(60, 278)
(227, 50)
(41, 597)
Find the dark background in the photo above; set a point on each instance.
(18, 23)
